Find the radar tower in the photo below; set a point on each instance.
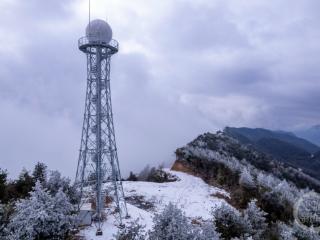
(98, 164)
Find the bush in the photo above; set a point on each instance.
(207, 232)
(153, 174)
(257, 219)
(171, 224)
(41, 216)
(132, 177)
(277, 210)
(230, 223)
(133, 231)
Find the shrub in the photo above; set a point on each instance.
(133, 231)
(230, 223)
(41, 216)
(171, 224)
(257, 219)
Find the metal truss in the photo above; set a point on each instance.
(98, 164)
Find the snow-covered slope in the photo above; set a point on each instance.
(190, 193)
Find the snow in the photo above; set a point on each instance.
(190, 193)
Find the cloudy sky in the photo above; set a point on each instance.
(184, 67)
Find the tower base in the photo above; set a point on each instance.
(99, 232)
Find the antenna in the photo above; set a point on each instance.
(89, 14)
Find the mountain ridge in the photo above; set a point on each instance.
(283, 146)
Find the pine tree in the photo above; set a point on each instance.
(56, 182)
(246, 179)
(305, 233)
(132, 177)
(2, 218)
(3, 185)
(41, 216)
(230, 223)
(40, 172)
(207, 232)
(285, 232)
(23, 185)
(171, 224)
(257, 219)
(62, 213)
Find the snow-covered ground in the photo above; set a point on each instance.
(190, 193)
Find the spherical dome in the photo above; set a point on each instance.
(99, 30)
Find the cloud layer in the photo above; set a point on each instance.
(184, 67)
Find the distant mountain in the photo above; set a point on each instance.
(257, 134)
(283, 146)
(311, 134)
(215, 156)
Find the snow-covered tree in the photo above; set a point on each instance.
(2, 218)
(267, 180)
(41, 216)
(286, 192)
(132, 231)
(308, 209)
(246, 179)
(62, 213)
(230, 223)
(257, 219)
(207, 232)
(285, 231)
(305, 233)
(171, 224)
(56, 182)
(40, 172)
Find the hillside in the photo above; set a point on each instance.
(218, 180)
(189, 193)
(282, 146)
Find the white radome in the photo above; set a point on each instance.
(99, 30)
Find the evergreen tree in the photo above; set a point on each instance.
(2, 218)
(40, 172)
(56, 182)
(246, 179)
(3, 185)
(207, 232)
(305, 233)
(257, 219)
(41, 216)
(132, 177)
(285, 232)
(171, 224)
(62, 214)
(23, 185)
(133, 231)
(230, 223)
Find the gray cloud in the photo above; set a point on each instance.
(184, 67)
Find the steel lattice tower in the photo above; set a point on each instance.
(98, 160)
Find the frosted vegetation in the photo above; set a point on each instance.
(240, 196)
(263, 192)
(37, 206)
(170, 224)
